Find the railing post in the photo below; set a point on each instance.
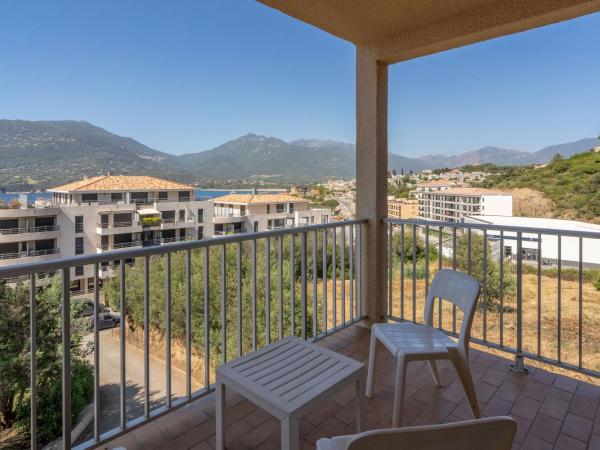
(519, 365)
(371, 179)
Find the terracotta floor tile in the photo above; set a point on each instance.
(555, 407)
(577, 427)
(565, 442)
(526, 408)
(545, 428)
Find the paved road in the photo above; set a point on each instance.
(110, 378)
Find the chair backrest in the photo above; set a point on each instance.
(458, 288)
(492, 433)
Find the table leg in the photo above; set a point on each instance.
(290, 433)
(220, 410)
(360, 404)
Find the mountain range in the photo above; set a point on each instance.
(40, 154)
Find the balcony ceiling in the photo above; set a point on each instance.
(398, 30)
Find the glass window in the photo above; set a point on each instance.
(116, 196)
(78, 224)
(280, 207)
(291, 208)
(79, 246)
(78, 272)
(200, 232)
(200, 215)
(163, 195)
(88, 198)
(268, 209)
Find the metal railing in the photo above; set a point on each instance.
(229, 232)
(28, 253)
(131, 223)
(537, 286)
(39, 229)
(259, 288)
(119, 245)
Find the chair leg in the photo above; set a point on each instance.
(461, 363)
(371, 368)
(399, 390)
(434, 373)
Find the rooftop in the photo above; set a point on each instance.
(441, 183)
(120, 183)
(539, 222)
(470, 191)
(259, 199)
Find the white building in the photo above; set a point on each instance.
(446, 202)
(101, 214)
(242, 213)
(569, 246)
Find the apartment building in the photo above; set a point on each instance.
(241, 213)
(456, 203)
(99, 214)
(402, 208)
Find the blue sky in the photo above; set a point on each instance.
(188, 75)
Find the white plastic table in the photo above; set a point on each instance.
(288, 378)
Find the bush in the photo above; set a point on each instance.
(15, 358)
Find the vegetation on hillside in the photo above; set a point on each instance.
(573, 184)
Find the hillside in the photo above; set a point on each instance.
(36, 155)
(572, 184)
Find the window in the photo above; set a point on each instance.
(291, 208)
(163, 195)
(184, 196)
(104, 221)
(79, 246)
(268, 209)
(200, 215)
(89, 198)
(182, 215)
(116, 197)
(280, 207)
(256, 227)
(78, 272)
(200, 232)
(78, 224)
(242, 210)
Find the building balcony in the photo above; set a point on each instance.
(229, 218)
(28, 234)
(119, 245)
(28, 254)
(104, 229)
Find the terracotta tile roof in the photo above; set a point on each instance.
(469, 191)
(120, 183)
(259, 198)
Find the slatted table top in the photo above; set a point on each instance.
(287, 376)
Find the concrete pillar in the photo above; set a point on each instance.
(371, 178)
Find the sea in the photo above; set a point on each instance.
(201, 194)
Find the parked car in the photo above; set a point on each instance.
(107, 317)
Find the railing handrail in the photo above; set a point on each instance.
(111, 255)
(487, 226)
(20, 230)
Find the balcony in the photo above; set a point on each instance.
(229, 296)
(119, 245)
(557, 347)
(28, 254)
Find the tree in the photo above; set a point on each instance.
(15, 359)
(477, 268)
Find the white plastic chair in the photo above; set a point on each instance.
(409, 341)
(491, 433)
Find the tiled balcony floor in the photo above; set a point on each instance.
(552, 411)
